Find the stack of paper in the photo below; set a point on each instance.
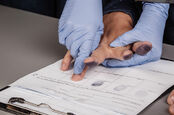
(104, 91)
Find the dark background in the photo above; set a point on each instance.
(54, 8)
(51, 8)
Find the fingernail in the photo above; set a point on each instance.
(127, 54)
(127, 57)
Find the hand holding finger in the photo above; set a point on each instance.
(115, 24)
(121, 53)
(78, 77)
(102, 53)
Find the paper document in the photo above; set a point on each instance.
(104, 91)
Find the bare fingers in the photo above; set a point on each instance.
(121, 53)
(125, 53)
(98, 55)
(66, 62)
(171, 109)
(170, 99)
(79, 77)
(102, 53)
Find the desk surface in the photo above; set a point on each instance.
(29, 42)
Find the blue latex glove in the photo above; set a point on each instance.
(80, 29)
(150, 27)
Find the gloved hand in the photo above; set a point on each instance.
(150, 27)
(80, 29)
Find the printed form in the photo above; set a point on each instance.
(104, 91)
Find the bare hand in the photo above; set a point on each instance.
(170, 101)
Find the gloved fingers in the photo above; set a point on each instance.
(97, 39)
(124, 40)
(76, 35)
(170, 99)
(66, 62)
(84, 52)
(142, 48)
(64, 32)
(97, 54)
(76, 44)
(171, 109)
(78, 77)
(135, 60)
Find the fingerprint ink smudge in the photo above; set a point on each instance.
(120, 88)
(97, 83)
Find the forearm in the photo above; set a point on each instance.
(119, 17)
(115, 24)
(128, 7)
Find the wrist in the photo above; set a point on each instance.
(115, 24)
(121, 17)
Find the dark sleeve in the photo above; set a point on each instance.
(60, 6)
(169, 30)
(45, 7)
(127, 6)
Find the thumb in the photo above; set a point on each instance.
(124, 40)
